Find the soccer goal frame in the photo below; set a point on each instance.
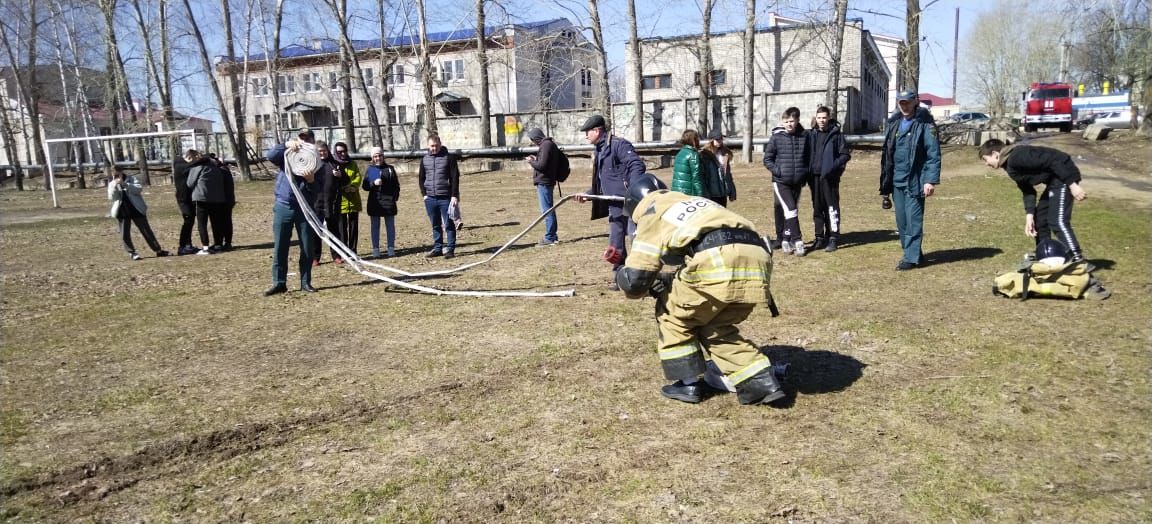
(48, 149)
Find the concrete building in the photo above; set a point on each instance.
(792, 62)
(536, 66)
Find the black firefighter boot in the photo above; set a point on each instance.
(760, 389)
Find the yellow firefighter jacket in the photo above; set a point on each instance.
(668, 222)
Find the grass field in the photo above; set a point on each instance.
(171, 390)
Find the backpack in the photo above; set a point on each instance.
(564, 168)
(1038, 279)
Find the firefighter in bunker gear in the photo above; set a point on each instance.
(726, 273)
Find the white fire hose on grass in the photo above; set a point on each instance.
(305, 159)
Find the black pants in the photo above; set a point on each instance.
(141, 222)
(1054, 217)
(787, 212)
(825, 205)
(211, 212)
(188, 213)
(350, 230)
(226, 218)
(334, 224)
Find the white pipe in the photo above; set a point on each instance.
(355, 263)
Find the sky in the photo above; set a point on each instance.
(659, 18)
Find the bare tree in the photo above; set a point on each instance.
(28, 91)
(161, 74)
(206, 64)
(272, 61)
(601, 60)
(911, 59)
(704, 80)
(387, 62)
(69, 108)
(85, 104)
(482, 50)
(236, 136)
(749, 76)
(6, 132)
(350, 61)
(832, 96)
(426, 71)
(1006, 49)
(120, 79)
(637, 71)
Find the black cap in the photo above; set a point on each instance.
(906, 95)
(535, 134)
(593, 122)
(716, 135)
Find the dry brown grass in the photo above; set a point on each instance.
(169, 389)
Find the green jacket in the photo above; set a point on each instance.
(686, 175)
(350, 193)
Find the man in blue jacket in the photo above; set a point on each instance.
(909, 172)
(615, 165)
(829, 157)
(287, 214)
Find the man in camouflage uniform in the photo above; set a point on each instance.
(725, 275)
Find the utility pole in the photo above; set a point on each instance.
(955, 52)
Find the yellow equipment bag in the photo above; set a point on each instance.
(1039, 279)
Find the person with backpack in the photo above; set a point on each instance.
(549, 167)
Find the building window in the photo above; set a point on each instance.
(397, 76)
(312, 82)
(361, 116)
(285, 84)
(586, 77)
(658, 81)
(260, 87)
(333, 80)
(398, 114)
(369, 77)
(719, 77)
(284, 121)
(451, 70)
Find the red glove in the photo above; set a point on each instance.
(613, 256)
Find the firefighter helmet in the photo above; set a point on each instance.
(1051, 251)
(639, 189)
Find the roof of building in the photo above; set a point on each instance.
(324, 46)
(934, 100)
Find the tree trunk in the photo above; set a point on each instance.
(601, 60)
(340, 11)
(27, 92)
(82, 94)
(832, 96)
(206, 63)
(749, 77)
(160, 74)
(482, 48)
(385, 70)
(704, 86)
(911, 62)
(10, 144)
(272, 64)
(348, 110)
(238, 138)
(21, 101)
(637, 71)
(120, 77)
(1146, 126)
(426, 71)
(69, 111)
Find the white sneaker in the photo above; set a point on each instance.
(204, 251)
(799, 249)
(786, 246)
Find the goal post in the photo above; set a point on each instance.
(48, 149)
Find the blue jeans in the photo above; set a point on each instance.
(909, 204)
(390, 230)
(284, 220)
(437, 208)
(544, 194)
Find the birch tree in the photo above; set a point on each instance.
(836, 52)
(637, 71)
(387, 61)
(749, 76)
(272, 60)
(601, 60)
(121, 89)
(236, 136)
(350, 62)
(206, 65)
(704, 80)
(911, 59)
(26, 78)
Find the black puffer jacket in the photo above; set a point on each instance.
(788, 155)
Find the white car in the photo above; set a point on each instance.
(1113, 119)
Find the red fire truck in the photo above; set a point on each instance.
(1048, 105)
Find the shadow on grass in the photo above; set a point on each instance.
(1102, 263)
(468, 226)
(812, 372)
(957, 255)
(856, 238)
